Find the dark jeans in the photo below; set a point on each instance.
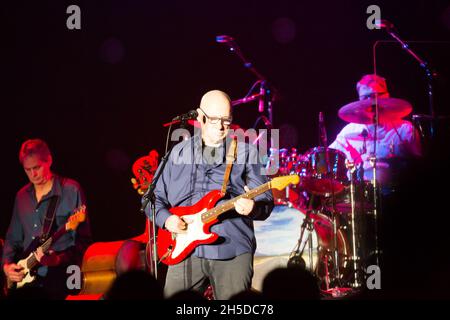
(227, 277)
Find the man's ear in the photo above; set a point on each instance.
(201, 117)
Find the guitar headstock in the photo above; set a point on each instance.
(282, 182)
(78, 217)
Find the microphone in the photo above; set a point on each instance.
(224, 39)
(193, 114)
(322, 131)
(262, 94)
(384, 24)
(228, 41)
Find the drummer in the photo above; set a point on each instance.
(396, 138)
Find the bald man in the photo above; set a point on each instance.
(195, 167)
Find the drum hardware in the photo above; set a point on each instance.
(277, 236)
(323, 138)
(430, 73)
(355, 258)
(335, 240)
(374, 111)
(296, 256)
(373, 162)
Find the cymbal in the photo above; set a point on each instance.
(363, 111)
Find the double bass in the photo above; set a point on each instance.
(103, 262)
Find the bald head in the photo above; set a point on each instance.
(214, 116)
(216, 102)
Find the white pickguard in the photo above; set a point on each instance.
(28, 277)
(194, 232)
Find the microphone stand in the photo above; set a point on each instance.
(266, 89)
(430, 74)
(149, 196)
(247, 64)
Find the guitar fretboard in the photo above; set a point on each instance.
(228, 205)
(32, 262)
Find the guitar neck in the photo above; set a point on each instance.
(215, 212)
(32, 261)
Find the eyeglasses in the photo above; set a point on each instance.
(216, 120)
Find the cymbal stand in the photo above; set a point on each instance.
(323, 141)
(335, 231)
(355, 258)
(373, 162)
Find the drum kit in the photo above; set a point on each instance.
(328, 222)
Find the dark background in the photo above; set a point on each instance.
(100, 95)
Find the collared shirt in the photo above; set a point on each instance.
(394, 140)
(28, 218)
(189, 176)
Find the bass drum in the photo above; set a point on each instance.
(278, 236)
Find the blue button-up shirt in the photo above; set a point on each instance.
(28, 218)
(188, 177)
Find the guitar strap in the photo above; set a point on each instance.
(231, 156)
(50, 214)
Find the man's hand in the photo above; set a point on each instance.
(14, 272)
(354, 154)
(244, 206)
(176, 224)
(50, 259)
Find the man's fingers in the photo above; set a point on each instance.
(38, 255)
(17, 278)
(187, 220)
(17, 267)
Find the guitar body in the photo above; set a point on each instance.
(28, 274)
(28, 278)
(30, 263)
(174, 249)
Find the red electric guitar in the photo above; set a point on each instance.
(174, 248)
